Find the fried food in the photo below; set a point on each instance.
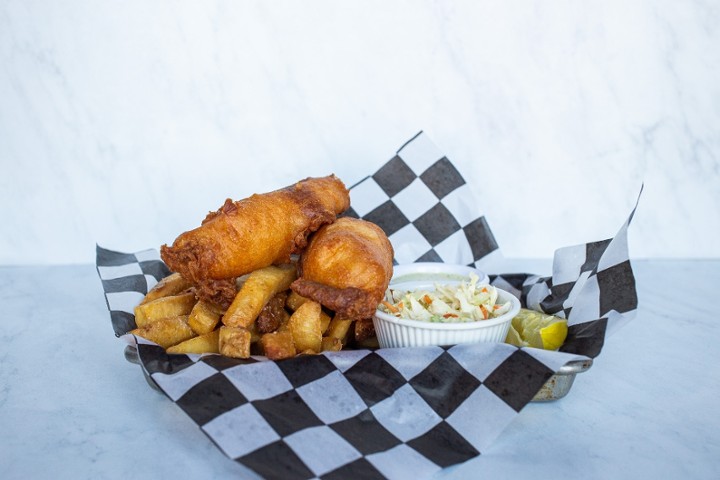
(256, 232)
(339, 328)
(170, 285)
(171, 306)
(204, 317)
(206, 343)
(278, 345)
(331, 344)
(166, 331)
(218, 292)
(346, 267)
(294, 301)
(235, 288)
(273, 314)
(304, 325)
(256, 292)
(235, 342)
(364, 329)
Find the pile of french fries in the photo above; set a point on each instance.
(265, 318)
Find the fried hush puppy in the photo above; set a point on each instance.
(346, 267)
(262, 230)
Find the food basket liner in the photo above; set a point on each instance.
(387, 413)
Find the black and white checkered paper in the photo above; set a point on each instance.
(425, 207)
(387, 413)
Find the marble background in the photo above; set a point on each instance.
(123, 123)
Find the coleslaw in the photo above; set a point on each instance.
(463, 302)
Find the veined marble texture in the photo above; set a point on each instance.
(124, 123)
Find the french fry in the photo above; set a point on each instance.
(168, 286)
(258, 320)
(164, 307)
(166, 332)
(338, 328)
(204, 317)
(304, 325)
(254, 334)
(260, 286)
(331, 344)
(234, 342)
(207, 343)
(324, 322)
(278, 345)
(294, 301)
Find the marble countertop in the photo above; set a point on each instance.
(72, 407)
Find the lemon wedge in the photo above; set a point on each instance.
(538, 330)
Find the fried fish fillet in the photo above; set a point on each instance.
(256, 232)
(346, 267)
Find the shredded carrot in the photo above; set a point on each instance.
(427, 299)
(497, 307)
(484, 290)
(390, 306)
(450, 315)
(484, 311)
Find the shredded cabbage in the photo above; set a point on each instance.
(464, 302)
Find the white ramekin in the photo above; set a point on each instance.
(400, 332)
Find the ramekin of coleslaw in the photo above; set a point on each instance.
(421, 311)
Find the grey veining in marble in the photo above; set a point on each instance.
(124, 123)
(70, 404)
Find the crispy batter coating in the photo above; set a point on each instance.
(346, 267)
(256, 232)
(217, 292)
(273, 314)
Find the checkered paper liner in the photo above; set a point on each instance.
(425, 207)
(387, 413)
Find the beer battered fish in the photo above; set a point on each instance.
(256, 232)
(346, 267)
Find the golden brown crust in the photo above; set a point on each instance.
(350, 302)
(273, 314)
(217, 292)
(346, 267)
(261, 230)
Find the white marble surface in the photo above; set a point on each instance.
(123, 123)
(72, 407)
